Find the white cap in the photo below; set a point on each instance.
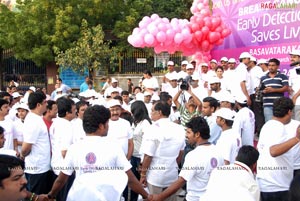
(213, 61)
(245, 55)
(32, 88)
(224, 59)
(23, 106)
(262, 61)
(227, 97)
(102, 185)
(295, 52)
(185, 62)
(16, 95)
(147, 93)
(114, 89)
(139, 96)
(170, 63)
(155, 97)
(113, 80)
(204, 64)
(76, 100)
(213, 80)
(252, 58)
(225, 113)
(232, 60)
(195, 77)
(241, 99)
(113, 102)
(173, 76)
(190, 66)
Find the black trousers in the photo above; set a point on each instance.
(39, 183)
(258, 110)
(274, 196)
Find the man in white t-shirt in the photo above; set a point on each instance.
(79, 133)
(162, 146)
(36, 146)
(182, 74)
(275, 165)
(235, 181)
(61, 134)
(244, 121)
(112, 88)
(7, 124)
(229, 142)
(120, 129)
(294, 81)
(95, 153)
(198, 163)
(241, 81)
(171, 72)
(229, 75)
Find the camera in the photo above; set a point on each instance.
(185, 83)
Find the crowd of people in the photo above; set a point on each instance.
(224, 130)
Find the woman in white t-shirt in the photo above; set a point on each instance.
(141, 123)
(149, 83)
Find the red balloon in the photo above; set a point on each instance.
(198, 35)
(205, 30)
(205, 45)
(226, 32)
(214, 37)
(195, 27)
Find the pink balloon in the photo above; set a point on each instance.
(135, 31)
(130, 39)
(161, 37)
(162, 26)
(137, 41)
(198, 35)
(226, 32)
(178, 38)
(149, 39)
(152, 29)
(213, 37)
(195, 27)
(170, 34)
(220, 41)
(186, 33)
(200, 21)
(205, 30)
(165, 20)
(218, 29)
(154, 16)
(142, 24)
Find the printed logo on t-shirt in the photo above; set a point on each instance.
(90, 158)
(213, 162)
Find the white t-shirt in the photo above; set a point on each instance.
(78, 131)
(181, 74)
(273, 173)
(163, 141)
(197, 167)
(294, 82)
(92, 154)
(255, 74)
(169, 75)
(291, 129)
(215, 130)
(61, 133)
(138, 132)
(121, 131)
(200, 92)
(244, 124)
(219, 95)
(36, 133)
(241, 74)
(229, 144)
(229, 76)
(226, 181)
(7, 124)
(108, 91)
(18, 130)
(151, 83)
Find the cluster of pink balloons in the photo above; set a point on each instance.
(200, 34)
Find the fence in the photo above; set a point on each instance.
(26, 73)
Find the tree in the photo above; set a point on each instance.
(90, 50)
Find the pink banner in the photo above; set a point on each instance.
(266, 29)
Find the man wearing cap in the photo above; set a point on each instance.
(182, 74)
(173, 87)
(255, 74)
(224, 62)
(229, 75)
(95, 153)
(18, 124)
(147, 101)
(263, 63)
(204, 75)
(113, 88)
(229, 142)
(227, 101)
(213, 66)
(122, 136)
(190, 69)
(241, 81)
(294, 81)
(274, 84)
(197, 89)
(244, 121)
(171, 70)
(216, 91)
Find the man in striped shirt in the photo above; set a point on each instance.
(274, 84)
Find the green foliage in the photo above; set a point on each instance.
(40, 29)
(89, 50)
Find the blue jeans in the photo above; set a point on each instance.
(268, 113)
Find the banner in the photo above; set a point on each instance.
(266, 29)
